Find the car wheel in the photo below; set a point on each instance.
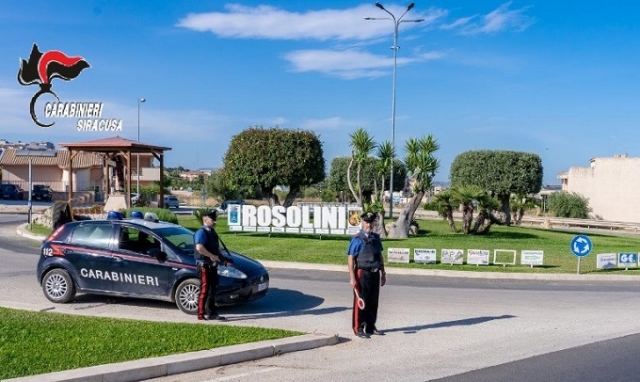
(60, 214)
(187, 295)
(58, 286)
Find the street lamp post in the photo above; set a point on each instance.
(140, 100)
(395, 47)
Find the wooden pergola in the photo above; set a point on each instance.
(111, 148)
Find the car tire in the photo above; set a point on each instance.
(60, 214)
(187, 294)
(58, 286)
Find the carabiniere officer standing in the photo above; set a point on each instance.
(208, 256)
(367, 275)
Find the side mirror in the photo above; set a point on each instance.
(158, 254)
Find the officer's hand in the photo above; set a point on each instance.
(383, 279)
(353, 282)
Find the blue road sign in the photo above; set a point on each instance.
(581, 245)
(627, 259)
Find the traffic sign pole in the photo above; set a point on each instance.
(580, 246)
(578, 272)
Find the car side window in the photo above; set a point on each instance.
(91, 236)
(135, 240)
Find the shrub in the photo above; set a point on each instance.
(568, 205)
(163, 214)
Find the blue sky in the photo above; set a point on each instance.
(559, 79)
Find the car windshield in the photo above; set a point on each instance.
(179, 236)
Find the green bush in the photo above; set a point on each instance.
(163, 215)
(431, 206)
(311, 192)
(568, 205)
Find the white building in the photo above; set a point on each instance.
(612, 186)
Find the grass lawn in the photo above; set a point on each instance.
(40, 342)
(435, 234)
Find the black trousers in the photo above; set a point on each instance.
(369, 289)
(208, 285)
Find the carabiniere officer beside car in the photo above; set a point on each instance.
(208, 256)
(366, 275)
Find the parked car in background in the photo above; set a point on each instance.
(10, 191)
(41, 192)
(171, 201)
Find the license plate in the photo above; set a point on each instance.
(262, 286)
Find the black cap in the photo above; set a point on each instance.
(368, 217)
(213, 215)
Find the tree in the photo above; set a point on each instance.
(445, 204)
(217, 185)
(502, 173)
(386, 153)
(337, 180)
(361, 145)
(266, 158)
(519, 203)
(485, 219)
(421, 166)
(568, 205)
(467, 195)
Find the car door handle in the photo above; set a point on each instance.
(116, 258)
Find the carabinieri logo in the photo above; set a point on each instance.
(42, 68)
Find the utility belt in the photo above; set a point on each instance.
(371, 270)
(206, 264)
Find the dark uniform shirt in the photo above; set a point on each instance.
(209, 239)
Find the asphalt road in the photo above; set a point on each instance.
(448, 329)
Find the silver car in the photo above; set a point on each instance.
(171, 201)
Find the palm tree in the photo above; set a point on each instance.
(445, 203)
(385, 152)
(422, 166)
(486, 205)
(467, 195)
(361, 146)
(519, 204)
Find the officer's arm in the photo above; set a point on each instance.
(203, 251)
(383, 276)
(352, 270)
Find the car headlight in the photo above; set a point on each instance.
(231, 272)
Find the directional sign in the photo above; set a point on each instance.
(581, 245)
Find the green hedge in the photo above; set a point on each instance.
(163, 214)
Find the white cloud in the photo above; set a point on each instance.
(268, 22)
(459, 23)
(499, 20)
(347, 31)
(350, 64)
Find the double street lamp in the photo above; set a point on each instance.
(140, 100)
(395, 47)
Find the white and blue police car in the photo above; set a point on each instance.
(138, 258)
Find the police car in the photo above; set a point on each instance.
(138, 258)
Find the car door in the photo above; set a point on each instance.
(88, 252)
(139, 273)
